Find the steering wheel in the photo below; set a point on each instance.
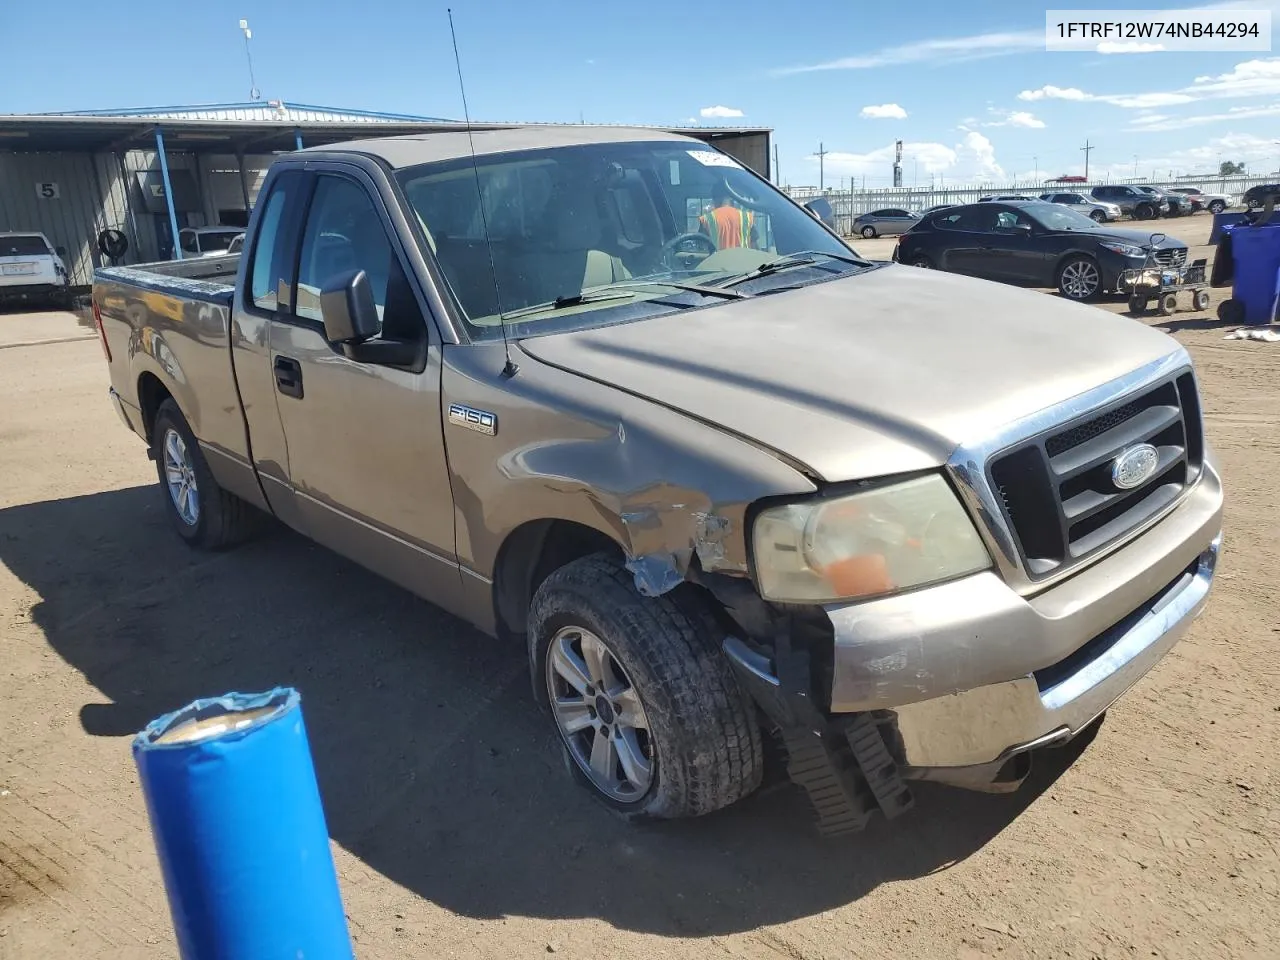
(681, 248)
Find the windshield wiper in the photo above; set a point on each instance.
(618, 291)
(800, 259)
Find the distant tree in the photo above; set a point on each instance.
(1229, 168)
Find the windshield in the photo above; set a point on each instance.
(632, 217)
(23, 246)
(1054, 216)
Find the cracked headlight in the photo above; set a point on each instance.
(877, 541)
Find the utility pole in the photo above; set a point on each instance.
(1087, 148)
(1135, 166)
(1036, 161)
(822, 176)
(777, 167)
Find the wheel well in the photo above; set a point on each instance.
(529, 555)
(151, 393)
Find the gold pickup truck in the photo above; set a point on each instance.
(608, 392)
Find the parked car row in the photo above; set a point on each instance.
(1102, 205)
(1036, 243)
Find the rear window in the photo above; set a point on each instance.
(23, 246)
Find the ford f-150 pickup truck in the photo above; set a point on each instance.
(608, 392)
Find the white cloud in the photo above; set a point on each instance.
(1128, 46)
(883, 111)
(972, 159)
(1259, 153)
(721, 112)
(948, 50)
(1252, 78)
(1014, 118)
(1157, 121)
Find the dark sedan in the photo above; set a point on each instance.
(1254, 197)
(1035, 243)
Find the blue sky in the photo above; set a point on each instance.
(967, 86)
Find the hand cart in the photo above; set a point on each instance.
(1163, 285)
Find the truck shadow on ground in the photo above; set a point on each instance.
(436, 767)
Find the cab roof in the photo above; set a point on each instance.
(411, 150)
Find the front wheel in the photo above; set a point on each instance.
(651, 719)
(923, 262)
(869, 232)
(1137, 305)
(1201, 300)
(1168, 304)
(1097, 216)
(1079, 278)
(1144, 211)
(1217, 206)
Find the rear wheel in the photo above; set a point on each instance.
(869, 232)
(1200, 300)
(202, 512)
(1144, 211)
(651, 718)
(1137, 305)
(1079, 278)
(923, 262)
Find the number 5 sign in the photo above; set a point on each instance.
(48, 191)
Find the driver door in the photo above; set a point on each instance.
(365, 444)
(1012, 247)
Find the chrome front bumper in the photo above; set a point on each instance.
(975, 674)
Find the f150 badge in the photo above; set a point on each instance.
(1134, 466)
(481, 421)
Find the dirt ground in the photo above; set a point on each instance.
(456, 833)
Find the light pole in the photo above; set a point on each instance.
(254, 93)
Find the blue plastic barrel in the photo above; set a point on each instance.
(240, 832)
(1255, 253)
(1222, 221)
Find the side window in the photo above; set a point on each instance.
(959, 220)
(343, 233)
(187, 240)
(267, 266)
(1007, 220)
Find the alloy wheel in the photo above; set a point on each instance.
(599, 714)
(1080, 279)
(180, 477)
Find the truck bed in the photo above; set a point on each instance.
(208, 278)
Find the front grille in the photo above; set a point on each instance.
(1056, 488)
(1174, 259)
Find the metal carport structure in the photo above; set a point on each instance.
(72, 176)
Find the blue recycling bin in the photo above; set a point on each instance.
(1255, 253)
(235, 810)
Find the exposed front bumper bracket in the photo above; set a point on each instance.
(843, 764)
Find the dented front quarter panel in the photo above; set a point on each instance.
(668, 489)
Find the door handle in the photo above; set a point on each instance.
(288, 377)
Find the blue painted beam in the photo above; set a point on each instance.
(168, 193)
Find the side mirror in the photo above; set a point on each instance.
(348, 310)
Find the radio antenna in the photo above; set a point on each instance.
(511, 368)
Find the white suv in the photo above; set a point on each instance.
(30, 269)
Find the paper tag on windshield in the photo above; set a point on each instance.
(709, 158)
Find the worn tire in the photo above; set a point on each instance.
(223, 519)
(703, 730)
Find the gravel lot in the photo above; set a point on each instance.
(454, 829)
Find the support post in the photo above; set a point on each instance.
(297, 138)
(168, 193)
(244, 184)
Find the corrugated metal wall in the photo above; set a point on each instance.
(752, 149)
(97, 192)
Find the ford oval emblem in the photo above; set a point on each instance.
(1134, 466)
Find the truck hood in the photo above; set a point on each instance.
(879, 373)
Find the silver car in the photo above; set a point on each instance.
(1098, 210)
(888, 222)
